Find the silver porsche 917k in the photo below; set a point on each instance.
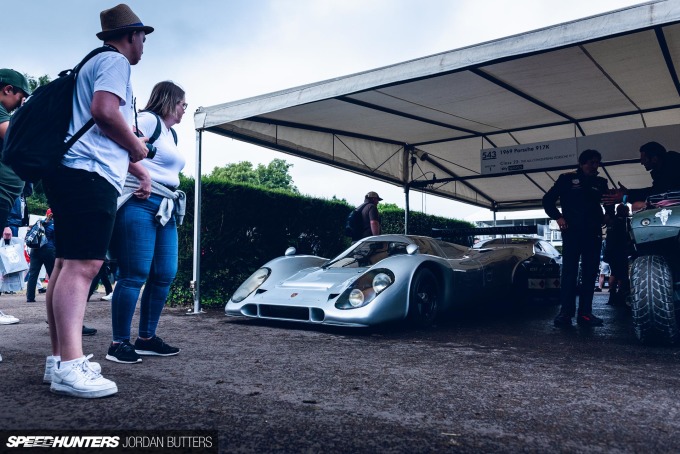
(393, 277)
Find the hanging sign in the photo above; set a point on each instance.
(613, 146)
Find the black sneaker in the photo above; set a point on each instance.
(87, 331)
(589, 320)
(618, 299)
(598, 289)
(124, 353)
(562, 321)
(154, 346)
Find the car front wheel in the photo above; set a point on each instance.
(654, 311)
(424, 299)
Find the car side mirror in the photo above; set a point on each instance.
(411, 249)
(290, 252)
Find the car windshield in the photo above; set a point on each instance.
(367, 253)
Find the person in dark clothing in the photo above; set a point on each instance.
(580, 222)
(618, 249)
(664, 168)
(369, 215)
(102, 276)
(43, 255)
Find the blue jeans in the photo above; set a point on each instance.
(146, 252)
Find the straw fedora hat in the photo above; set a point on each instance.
(120, 19)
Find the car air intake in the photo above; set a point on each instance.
(284, 312)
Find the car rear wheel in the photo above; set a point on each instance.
(424, 299)
(654, 311)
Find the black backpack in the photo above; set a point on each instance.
(35, 139)
(354, 226)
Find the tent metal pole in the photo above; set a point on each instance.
(409, 158)
(406, 211)
(196, 281)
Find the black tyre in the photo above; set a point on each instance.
(654, 311)
(424, 299)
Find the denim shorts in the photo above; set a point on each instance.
(84, 208)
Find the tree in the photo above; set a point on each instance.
(241, 172)
(272, 176)
(34, 83)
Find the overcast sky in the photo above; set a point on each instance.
(226, 50)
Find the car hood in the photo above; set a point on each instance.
(321, 279)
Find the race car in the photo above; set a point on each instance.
(388, 278)
(542, 270)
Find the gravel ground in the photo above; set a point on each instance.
(479, 382)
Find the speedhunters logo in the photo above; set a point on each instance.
(112, 442)
(37, 441)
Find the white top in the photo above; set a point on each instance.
(95, 152)
(165, 167)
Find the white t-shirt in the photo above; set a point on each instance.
(165, 167)
(95, 152)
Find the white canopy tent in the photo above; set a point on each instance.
(423, 123)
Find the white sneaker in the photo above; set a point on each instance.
(107, 297)
(51, 364)
(7, 319)
(81, 380)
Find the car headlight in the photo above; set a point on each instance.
(365, 289)
(380, 282)
(356, 297)
(251, 284)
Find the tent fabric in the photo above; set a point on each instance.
(423, 123)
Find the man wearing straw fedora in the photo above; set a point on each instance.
(85, 186)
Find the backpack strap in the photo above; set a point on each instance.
(75, 137)
(88, 57)
(361, 207)
(157, 132)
